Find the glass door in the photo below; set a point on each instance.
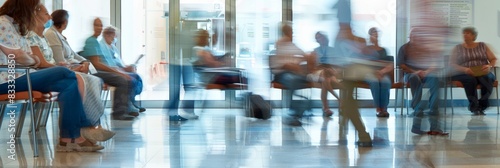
(164, 30)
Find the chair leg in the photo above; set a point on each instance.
(40, 115)
(452, 103)
(445, 99)
(396, 101)
(498, 108)
(37, 114)
(50, 111)
(105, 98)
(2, 113)
(22, 116)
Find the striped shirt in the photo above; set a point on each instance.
(470, 57)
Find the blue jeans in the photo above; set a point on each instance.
(380, 91)
(416, 85)
(136, 86)
(187, 74)
(62, 80)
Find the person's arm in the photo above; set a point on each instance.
(56, 45)
(208, 59)
(401, 59)
(95, 60)
(491, 58)
(43, 63)
(20, 57)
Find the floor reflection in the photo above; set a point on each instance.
(225, 138)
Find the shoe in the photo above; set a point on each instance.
(135, 114)
(122, 117)
(417, 131)
(364, 144)
(189, 116)
(99, 134)
(438, 133)
(383, 114)
(177, 118)
(85, 146)
(139, 108)
(481, 113)
(327, 113)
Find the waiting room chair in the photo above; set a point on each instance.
(23, 97)
(458, 84)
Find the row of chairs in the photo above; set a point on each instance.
(399, 84)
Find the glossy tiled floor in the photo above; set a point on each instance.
(224, 138)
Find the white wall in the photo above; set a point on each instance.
(81, 16)
(487, 23)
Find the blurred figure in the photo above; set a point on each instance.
(473, 62)
(326, 71)
(380, 82)
(204, 60)
(421, 67)
(288, 71)
(349, 45)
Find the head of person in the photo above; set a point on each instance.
(109, 34)
(321, 38)
(202, 38)
(43, 17)
(60, 18)
(23, 13)
(287, 30)
(469, 34)
(97, 24)
(373, 32)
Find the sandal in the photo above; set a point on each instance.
(85, 146)
(327, 113)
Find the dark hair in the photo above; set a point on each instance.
(59, 17)
(23, 13)
(470, 30)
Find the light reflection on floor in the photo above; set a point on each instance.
(225, 138)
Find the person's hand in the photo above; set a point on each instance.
(130, 68)
(468, 71)
(486, 68)
(37, 61)
(84, 68)
(379, 74)
(422, 74)
(63, 64)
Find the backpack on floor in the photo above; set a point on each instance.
(258, 107)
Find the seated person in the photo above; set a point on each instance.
(327, 70)
(465, 58)
(420, 63)
(205, 59)
(288, 71)
(14, 48)
(112, 59)
(380, 82)
(123, 109)
(89, 85)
